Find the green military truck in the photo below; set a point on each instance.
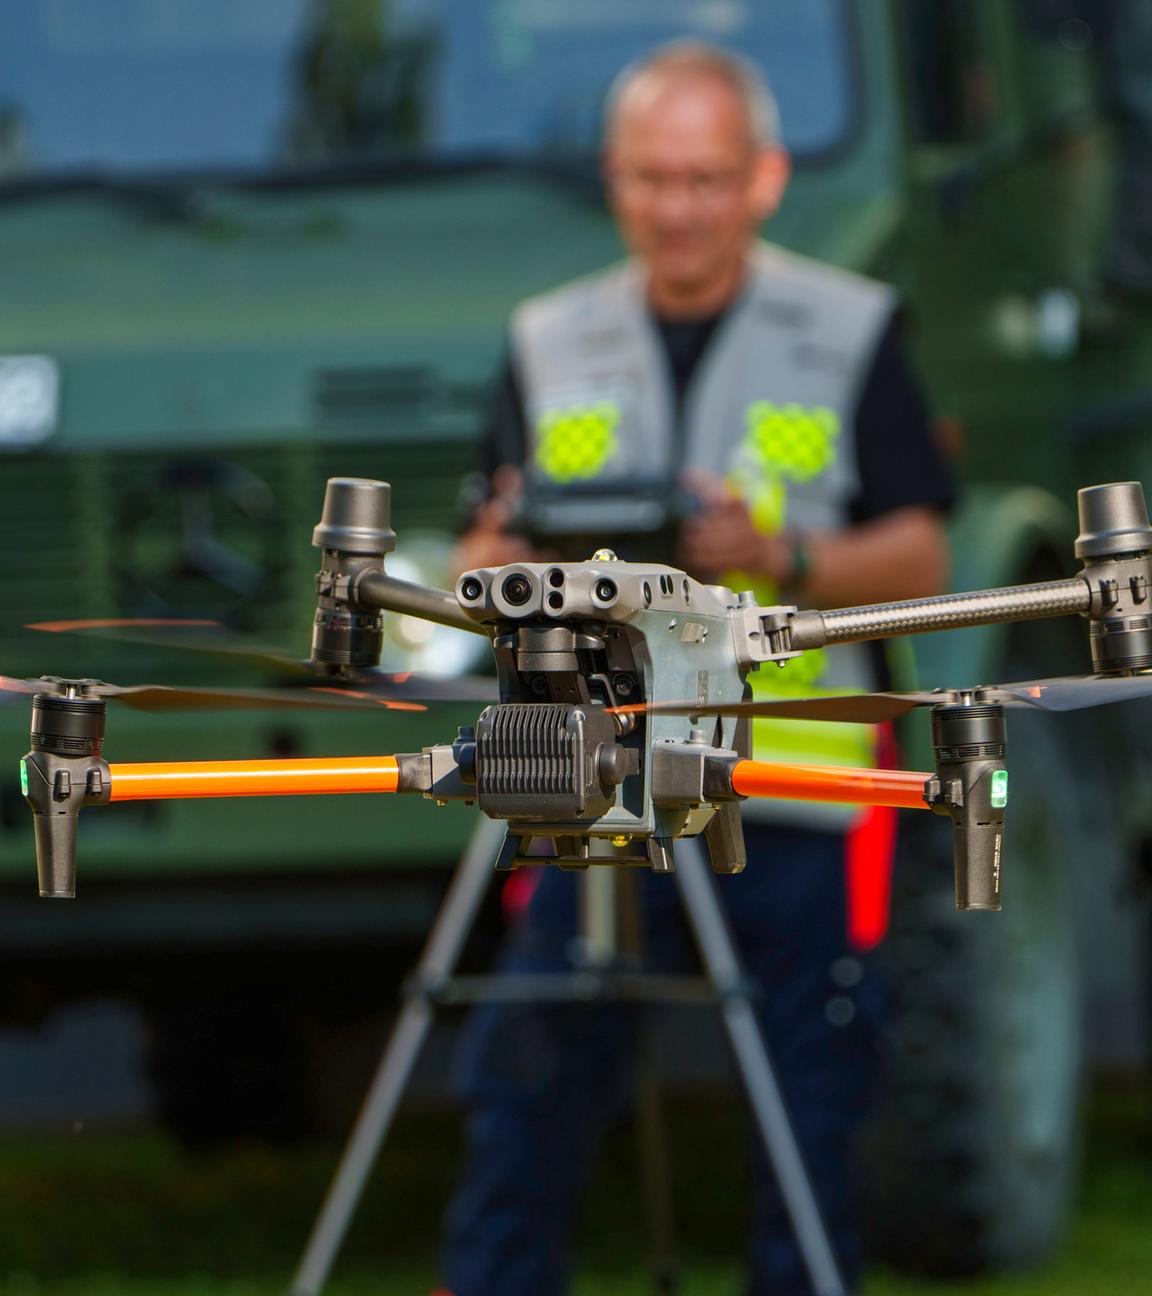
(250, 246)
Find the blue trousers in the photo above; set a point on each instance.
(543, 1081)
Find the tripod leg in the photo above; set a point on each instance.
(655, 1171)
(651, 1141)
(445, 942)
(718, 954)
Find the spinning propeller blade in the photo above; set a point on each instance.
(162, 697)
(183, 635)
(852, 708)
(210, 638)
(1066, 694)
(12, 690)
(120, 623)
(1074, 692)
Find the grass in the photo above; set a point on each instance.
(132, 1216)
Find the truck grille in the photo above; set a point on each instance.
(110, 534)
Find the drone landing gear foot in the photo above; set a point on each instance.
(661, 854)
(724, 838)
(510, 851)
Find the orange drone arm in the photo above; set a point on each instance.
(902, 788)
(173, 779)
(253, 778)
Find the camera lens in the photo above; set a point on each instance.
(471, 589)
(517, 590)
(605, 590)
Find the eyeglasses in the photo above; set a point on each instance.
(646, 184)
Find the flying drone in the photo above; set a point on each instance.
(621, 723)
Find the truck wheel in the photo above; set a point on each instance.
(972, 1157)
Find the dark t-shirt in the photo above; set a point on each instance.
(898, 460)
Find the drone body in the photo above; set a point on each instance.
(575, 644)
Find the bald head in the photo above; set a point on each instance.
(686, 63)
(693, 169)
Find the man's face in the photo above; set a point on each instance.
(688, 185)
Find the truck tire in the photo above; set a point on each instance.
(972, 1157)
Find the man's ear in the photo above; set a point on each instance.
(770, 174)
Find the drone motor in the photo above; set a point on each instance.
(63, 772)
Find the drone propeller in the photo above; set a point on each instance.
(12, 689)
(181, 635)
(1073, 693)
(209, 637)
(122, 623)
(163, 697)
(1067, 694)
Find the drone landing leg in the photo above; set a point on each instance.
(472, 879)
(718, 954)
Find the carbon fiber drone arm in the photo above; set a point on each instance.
(946, 612)
(1112, 591)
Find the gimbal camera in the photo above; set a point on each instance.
(622, 720)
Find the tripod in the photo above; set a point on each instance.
(599, 976)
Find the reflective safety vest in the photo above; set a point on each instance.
(770, 407)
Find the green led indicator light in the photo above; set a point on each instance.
(23, 777)
(999, 789)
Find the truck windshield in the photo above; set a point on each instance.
(136, 86)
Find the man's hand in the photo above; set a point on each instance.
(902, 554)
(722, 537)
(487, 542)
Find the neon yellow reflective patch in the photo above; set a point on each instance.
(574, 443)
(794, 441)
(782, 444)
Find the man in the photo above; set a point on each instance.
(781, 387)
